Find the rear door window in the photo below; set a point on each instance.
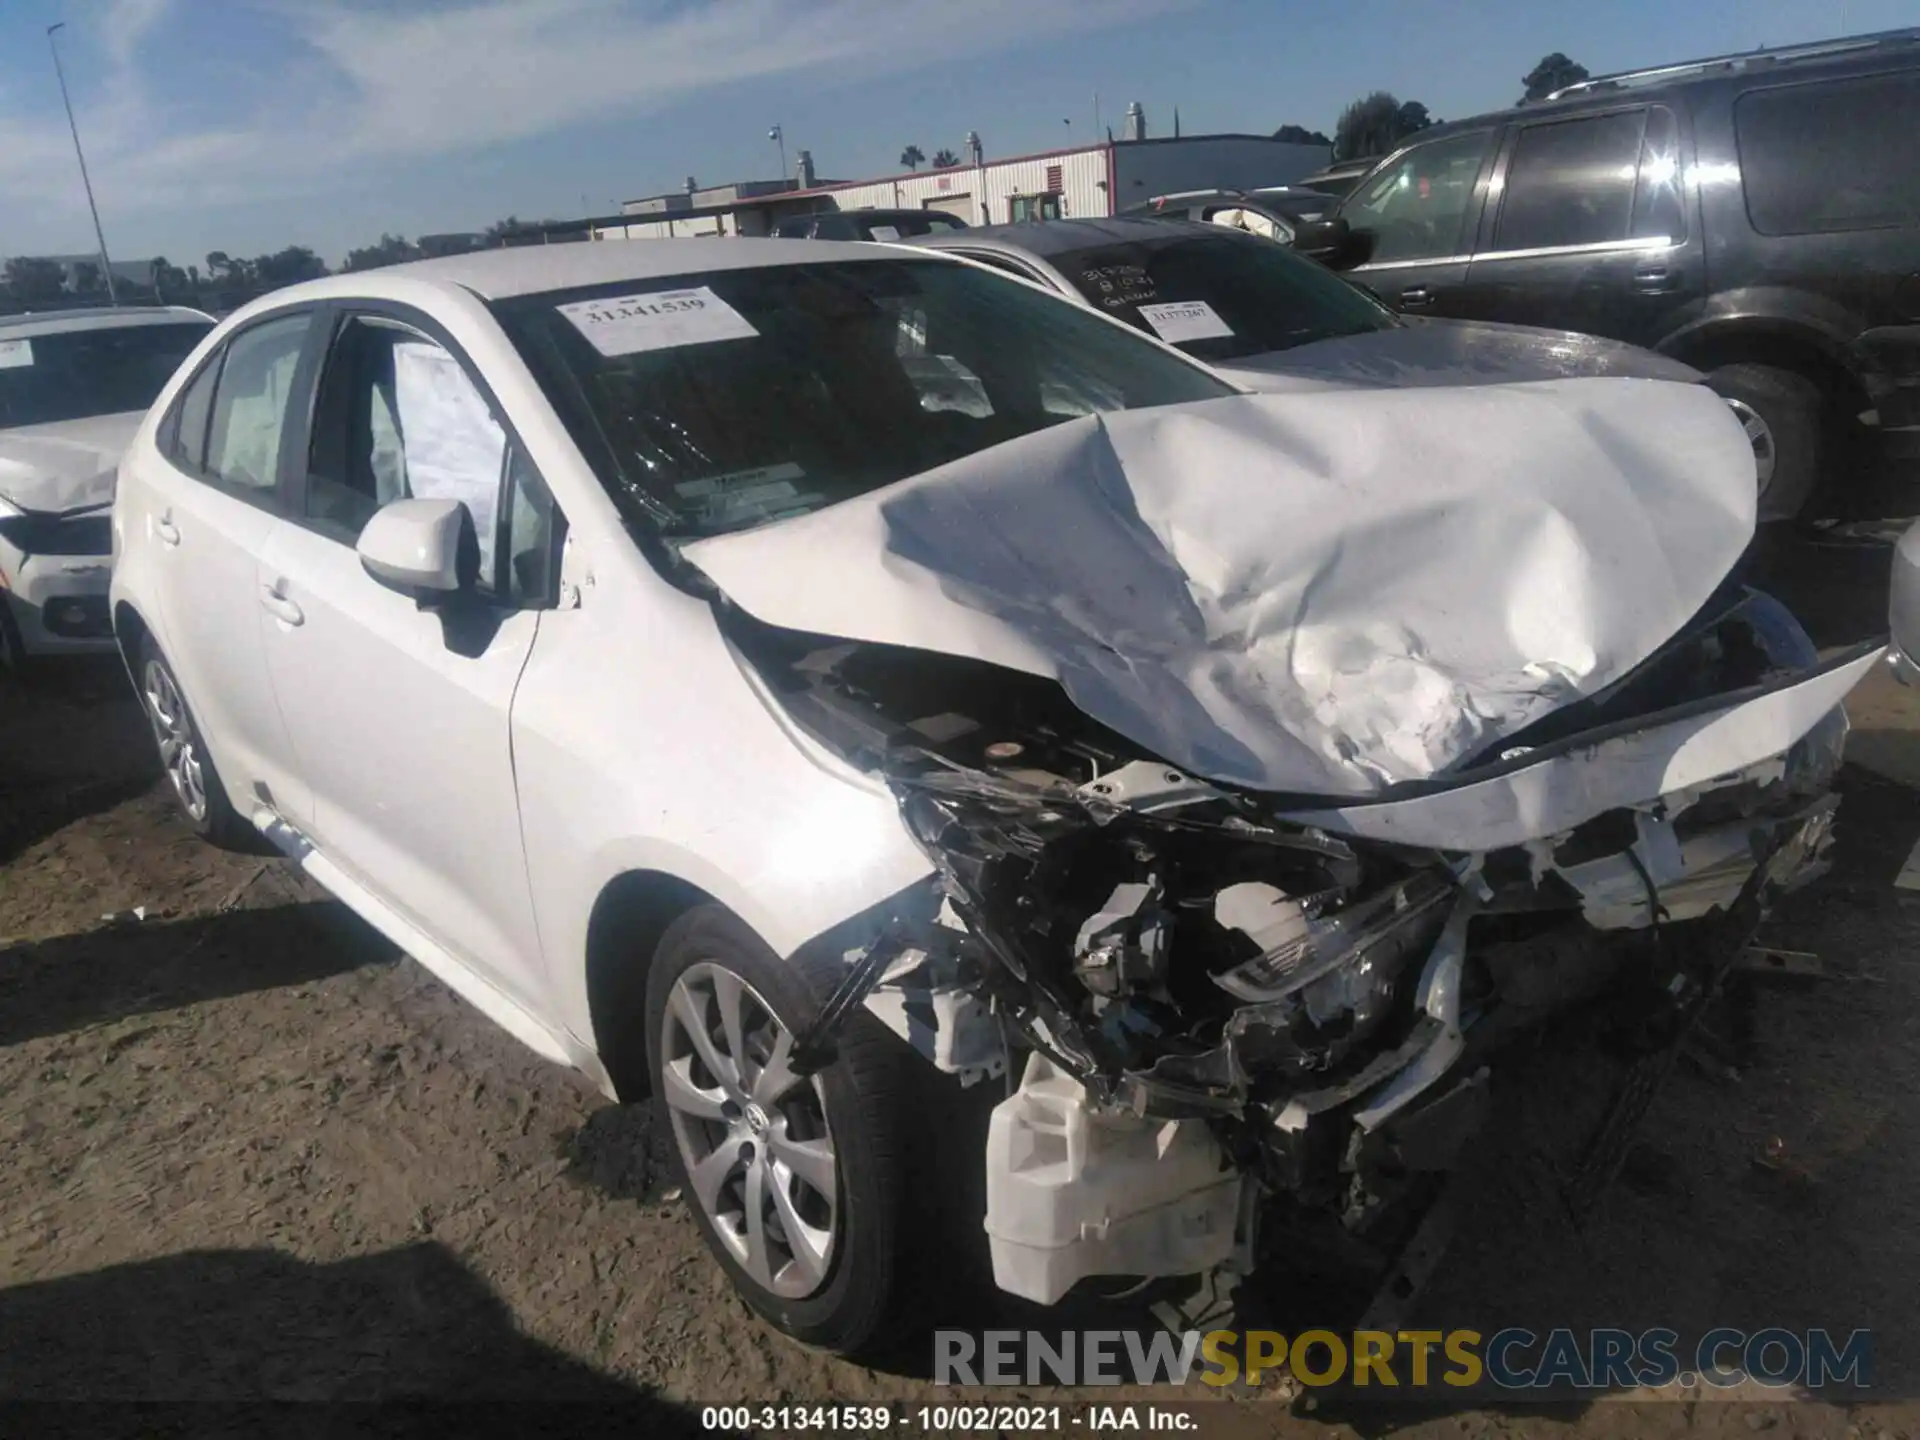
(1571, 182)
(250, 405)
(1832, 156)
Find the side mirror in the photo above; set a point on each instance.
(425, 549)
(1333, 242)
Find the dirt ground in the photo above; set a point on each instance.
(251, 1153)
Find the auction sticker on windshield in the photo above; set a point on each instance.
(15, 354)
(1177, 321)
(664, 320)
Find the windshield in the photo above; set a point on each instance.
(77, 374)
(1221, 298)
(721, 401)
(892, 227)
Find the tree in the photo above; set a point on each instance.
(913, 157)
(167, 279)
(390, 250)
(288, 267)
(35, 281)
(1375, 124)
(219, 264)
(944, 159)
(86, 278)
(1554, 72)
(515, 231)
(1300, 135)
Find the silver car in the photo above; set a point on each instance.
(73, 388)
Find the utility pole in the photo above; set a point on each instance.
(106, 265)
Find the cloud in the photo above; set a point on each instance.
(124, 27)
(382, 88)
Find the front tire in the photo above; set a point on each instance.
(795, 1183)
(1784, 415)
(198, 793)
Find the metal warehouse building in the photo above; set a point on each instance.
(1076, 183)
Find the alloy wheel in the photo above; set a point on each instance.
(1760, 436)
(179, 751)
(753, 1136)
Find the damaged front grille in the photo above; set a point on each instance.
(1319, 1003)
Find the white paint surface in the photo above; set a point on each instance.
(1319, 594)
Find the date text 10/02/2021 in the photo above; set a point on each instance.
(935, 1419)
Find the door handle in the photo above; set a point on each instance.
(1416, 297)
(1653, 279)
(164, 527)
(278, 606)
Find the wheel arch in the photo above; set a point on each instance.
(130, 632)
(629, 915)
(1784, 344)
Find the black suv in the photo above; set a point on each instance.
(1757, 216)
(866, 224)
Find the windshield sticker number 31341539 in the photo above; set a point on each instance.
(663, 320)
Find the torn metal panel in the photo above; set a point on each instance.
(1322, 595)
(1554, 791)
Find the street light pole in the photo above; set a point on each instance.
(106, 265)
(779, 136)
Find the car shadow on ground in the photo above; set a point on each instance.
(209, 1333)
(138, 967)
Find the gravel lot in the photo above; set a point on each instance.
(252, 1153)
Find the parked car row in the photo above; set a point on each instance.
(742, 669)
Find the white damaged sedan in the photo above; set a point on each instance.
(735, 666)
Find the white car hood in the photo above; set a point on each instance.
(68, 465)
(1320, 594)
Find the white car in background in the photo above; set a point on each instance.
(710, 656)
(73, 386)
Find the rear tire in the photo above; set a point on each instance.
(198, 793)
(721, 1010)
(1784, 415)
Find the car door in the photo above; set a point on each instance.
(1592, 229)
(205, 505)
(1417, 215)
(398, 714)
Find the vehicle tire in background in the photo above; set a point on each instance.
(197, 791)
(1784, 415)
(758, 1152)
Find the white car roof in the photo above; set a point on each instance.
(122, 317)
(532, 269)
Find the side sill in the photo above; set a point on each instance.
(462, 979)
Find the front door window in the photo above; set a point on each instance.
(1417, 207)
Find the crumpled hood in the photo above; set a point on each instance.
(68, 465)
(1318, 594)
(1425, 351)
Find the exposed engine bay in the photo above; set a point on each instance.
(1203, 1007)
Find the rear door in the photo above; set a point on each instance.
(399, 715)
(1826, 218)
(1419, 212)
(202, 508)
(1592, 229)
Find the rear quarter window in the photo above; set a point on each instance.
(1831, 156)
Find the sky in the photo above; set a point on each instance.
(250, 125)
